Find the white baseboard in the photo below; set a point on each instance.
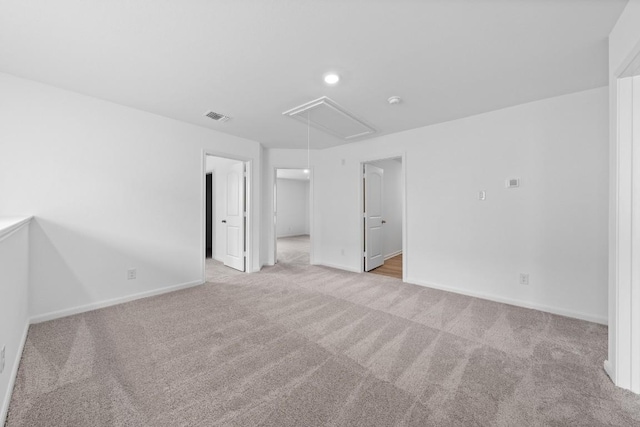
(339, 267)
(391, 255)
(293, 235)
(107, 303)
(519, 303)
(13, 374)
(609, 370)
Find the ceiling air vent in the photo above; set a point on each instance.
(216, 116)
(328, 116)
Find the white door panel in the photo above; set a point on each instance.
(234, 256)
(233, 237)
(373, 208)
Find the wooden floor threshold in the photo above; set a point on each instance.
(391, 268)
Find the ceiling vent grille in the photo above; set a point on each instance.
(216, 116)
(326, 115)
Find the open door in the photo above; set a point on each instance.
(373, 180)
(235, 218)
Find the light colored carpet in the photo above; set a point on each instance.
(309, 346)
(293, 250)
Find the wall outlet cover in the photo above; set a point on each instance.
(524, 278)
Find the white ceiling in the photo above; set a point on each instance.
(298, 174)
(254, 59)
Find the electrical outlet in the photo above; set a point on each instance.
(131, 274)
(524, 278)
(2, 354)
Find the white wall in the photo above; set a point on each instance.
(624, 289)
(14, 306)
(111, 188)
(392, 206)
(553, 227)
(292, 207)
(624, 37)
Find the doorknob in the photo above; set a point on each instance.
(384, 222)
(224, 221)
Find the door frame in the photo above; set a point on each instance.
(249, 229)
(403, 179)
(624, 226)
(274, 202)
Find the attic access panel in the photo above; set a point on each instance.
(328, 116)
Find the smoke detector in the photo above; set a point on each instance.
(394, 100)
(216, 116)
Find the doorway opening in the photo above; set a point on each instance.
(226, 224)
(383, 212)
(292, 216)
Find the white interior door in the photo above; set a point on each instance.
(234, 248)
(373, 180)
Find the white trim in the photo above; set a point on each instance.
(634, 291)
(624, 344)
(391, 255)
(297, 113)
(624, 283)
(339, 267)
(16, 224)
(608, 369)
(291, 235)
(519, 303)
(111, 302)
(630, 65)
(14, 374)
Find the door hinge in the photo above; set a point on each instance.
(245, 214)
(244, 254)
(365, 254)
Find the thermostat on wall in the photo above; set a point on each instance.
(513, 183)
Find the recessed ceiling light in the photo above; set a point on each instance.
(306, 171)
(331, 78)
